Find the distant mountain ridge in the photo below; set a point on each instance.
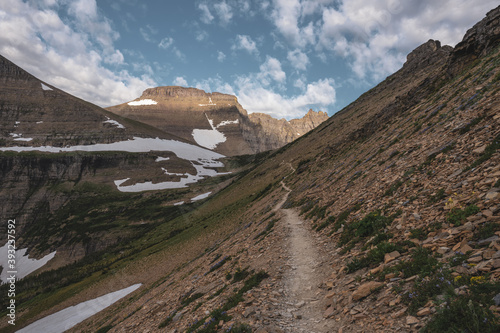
(214, 120)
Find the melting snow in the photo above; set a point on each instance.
(203, 159)
(24, 265)
(210, 138)
(44, 87)
(65, 319)
(143, 102)
(179, 203)
(201, 196)
(228, 122)
(113, 122)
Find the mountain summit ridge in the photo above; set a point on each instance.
(198, 116)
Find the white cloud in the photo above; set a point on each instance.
(224, 12)
(166, 42)
(298, 59)
(220, 56)
(148, 33)
(245, 42)
(70, 57)
(373, 36)
(256, 98)
(256, 94)
(206, 15)
(271, 69)
(215, 84)
(201, 35)
(180, 81)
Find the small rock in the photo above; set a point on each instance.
(480, 150)
(488, 240)
(493, 195)
(399, 313)
(391, 256)
(424, 312)
(496, 299)
(300, 304)
(365, 290)
(329, 312)
(410, 320)
(443, 250)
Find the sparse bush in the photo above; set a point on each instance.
(456, 215)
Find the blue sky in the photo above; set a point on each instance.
(280, 57)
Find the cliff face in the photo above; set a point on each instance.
(185, 111)
(275, 133)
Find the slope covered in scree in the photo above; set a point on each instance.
(399, 191)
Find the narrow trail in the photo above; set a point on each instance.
(303, 301)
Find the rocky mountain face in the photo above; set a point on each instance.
(214, 120)
(276, 133)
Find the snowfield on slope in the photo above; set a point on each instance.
(65, 319)
(202, 159)
(24, 265)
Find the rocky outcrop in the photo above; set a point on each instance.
(181, 111)
(275, 133)
(482, 38)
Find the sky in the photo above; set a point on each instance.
(280, 57)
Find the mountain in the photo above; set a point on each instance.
(58, 151)
(386, 217)
(214, 120)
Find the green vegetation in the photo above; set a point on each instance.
(486, 230)
(370, 225)
(373, 257)
(463, 315)
(210, 323)
(440, 195)
(393, 188)
(418, 233)
(456, 215)
(190, 299)
(488, 152)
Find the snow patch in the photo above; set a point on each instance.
(228, 122)
(208, 138)
(15, 135)
(113, 122)
(23, 139)
(44, 87)
(39, 122)
(137, 145)
(24, 265)
(143, 102)
(159, 159)
(179, 203)
(201, 196)
(65, 319)
(202, 159)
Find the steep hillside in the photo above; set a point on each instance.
(214, 120)
(385, 218)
